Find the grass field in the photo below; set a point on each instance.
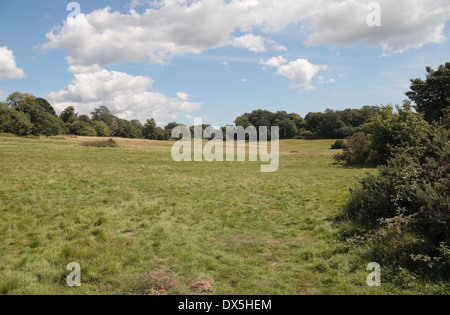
(139, 223)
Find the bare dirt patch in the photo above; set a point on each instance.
(204, 286)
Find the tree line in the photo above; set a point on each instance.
(23, 114)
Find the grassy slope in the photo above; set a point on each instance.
(139, 223)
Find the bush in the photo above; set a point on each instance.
(111, 143)
(356, 151)
(338, 145)
(389, 130)
(408, 203)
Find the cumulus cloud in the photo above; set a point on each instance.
(405, 24)
(171, 27)
(8, 66)
(274, 61)
(125, 95)
(300, 72)
(251, 42)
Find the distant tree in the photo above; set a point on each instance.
(68, 115)
(171, 126)
(288, 128)
(101, 128)
(45, 105)
(12, 121)
(103, 114)
(139, 128)
(161, 134)
(83, 129)
(149, 129)
(432, 96)
(84, 118)
(47, 125)
(314, 122)
(243, 121)
(126, 129)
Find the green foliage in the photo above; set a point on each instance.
(338, 145)
(79, 128)
(149, 129)
(408, 203)
(171, 126)
(389, 130)
(161, 134)
(101, 128)
(339, 124)
(14, 122)
(432, 96)
(68, 115)
(357, 151)
(127, 130)
(47, 125)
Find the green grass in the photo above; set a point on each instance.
(139, 223)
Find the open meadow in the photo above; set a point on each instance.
(139, 223)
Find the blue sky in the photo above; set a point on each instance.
(209, 58)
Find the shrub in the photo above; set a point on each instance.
(111, 143)
(408, 203)
(356, 151)
(338, 145)
(389, 130)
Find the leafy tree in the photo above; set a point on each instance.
(31, 106)
(126, 129)
(43, 103)
(47, 125)
(161, 134)
(14, 122)
(83, 129)
(101, 128)
(139, 128)
(68, 115)
(171, 126)
(84, 118)
(432, 96)
(149, 129)
(103, 114)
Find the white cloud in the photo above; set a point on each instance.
(405, 24)
(244, 80)
(125, 95)
(323, 80)
(251, 42)
(172, 28)
(274, 62)
(8, 66)
(176, 27)
(279, 48)
(300, 72)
